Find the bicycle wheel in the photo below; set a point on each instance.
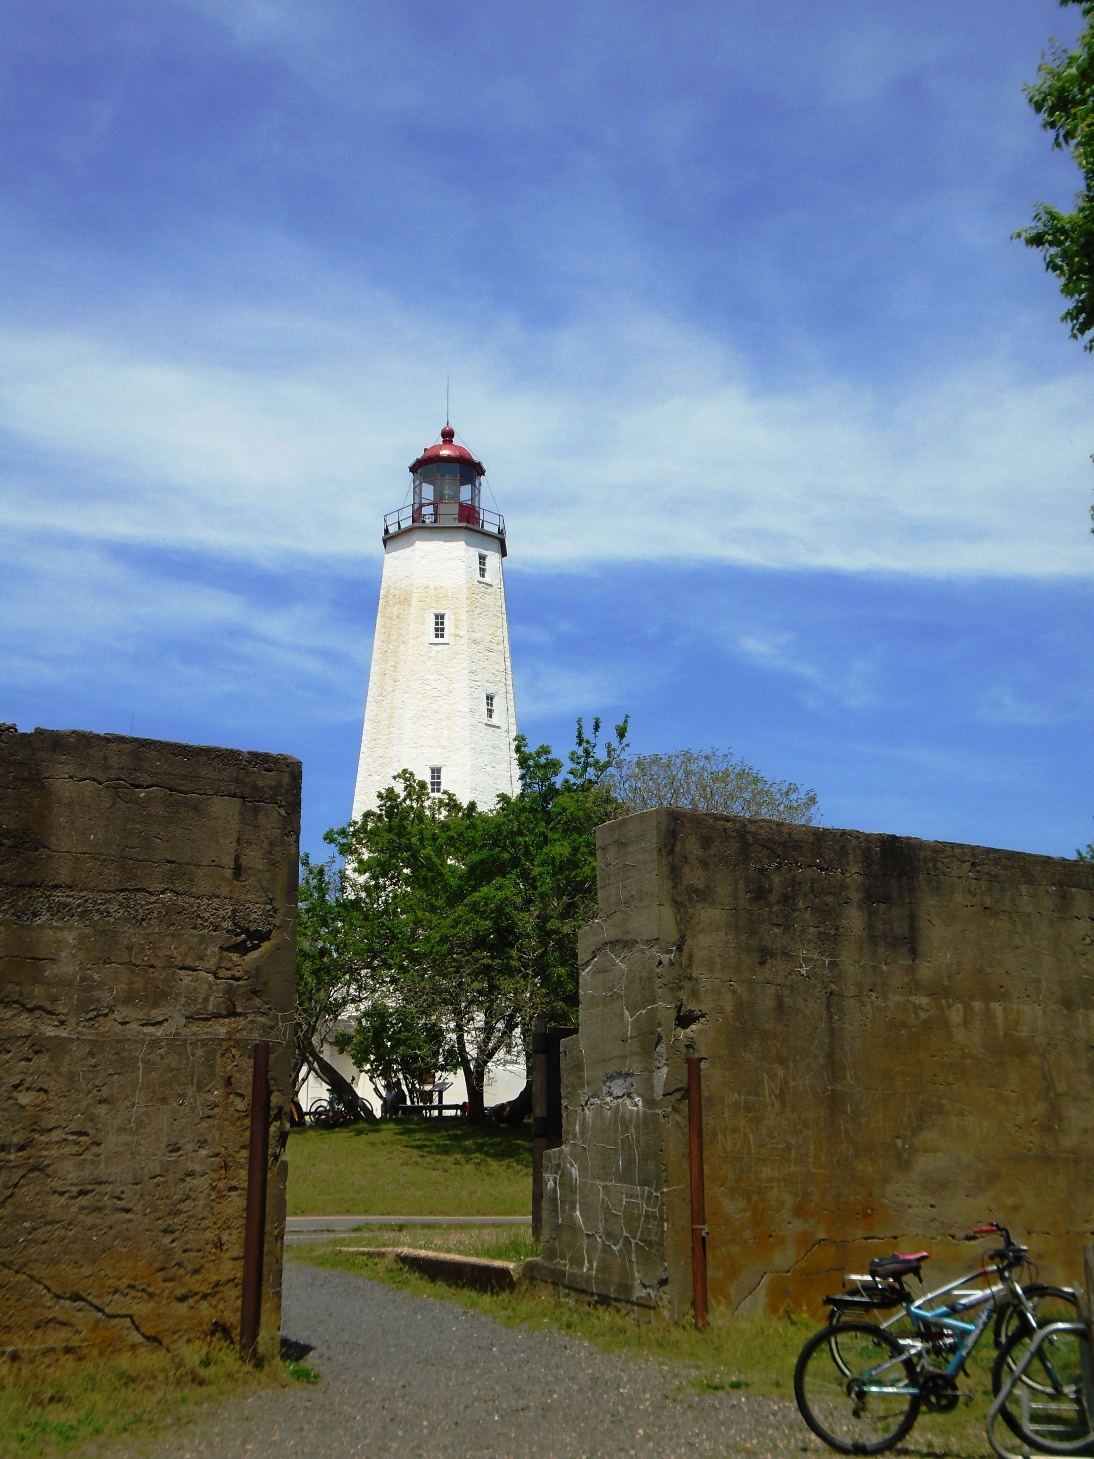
(898, 1323)
(1046, 1408)
(868, 1411)
(1050, 1304)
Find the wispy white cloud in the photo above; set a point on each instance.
(625, 437)
(76, 613)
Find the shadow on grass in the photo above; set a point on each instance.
(447, 1139)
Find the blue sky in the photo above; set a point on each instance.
(793, 450)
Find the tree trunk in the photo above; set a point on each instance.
(476, 1108)
(512, 1111)
(339, 1085)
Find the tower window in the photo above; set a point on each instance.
(490, 706)
(482, 564)
(434, 780)
(438, 629)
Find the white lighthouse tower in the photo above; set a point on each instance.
(440, 689)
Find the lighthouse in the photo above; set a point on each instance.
(440, 688)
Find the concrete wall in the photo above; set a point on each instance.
(427, 698)
(147, 904)
(898, 1043)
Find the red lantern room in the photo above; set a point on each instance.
(446, 492)
(446, 483)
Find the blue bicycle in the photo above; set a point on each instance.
(860, 1384)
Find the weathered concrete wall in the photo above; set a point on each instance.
(147, 938)
(898, 1043)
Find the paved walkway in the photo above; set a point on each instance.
(412, 1376)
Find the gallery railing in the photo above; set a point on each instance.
(444, 514)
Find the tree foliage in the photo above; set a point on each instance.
(714, 780)
(394, 1046)
(466, 920)
(1063, 97)
(330, 974)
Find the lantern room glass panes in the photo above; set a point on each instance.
(446, 491)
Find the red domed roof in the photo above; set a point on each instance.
(447, 450)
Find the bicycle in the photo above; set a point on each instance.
(883, 1289)
(860, 1385)
(328, 1114)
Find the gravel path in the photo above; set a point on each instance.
(411, 1376)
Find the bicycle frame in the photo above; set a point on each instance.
(966, 1334)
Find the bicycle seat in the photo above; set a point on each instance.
(900, 1264)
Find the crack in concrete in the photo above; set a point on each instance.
(81, 1300)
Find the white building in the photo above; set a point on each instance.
(440, 689)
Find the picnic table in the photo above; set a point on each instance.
(430, 1109)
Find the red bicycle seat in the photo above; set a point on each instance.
(892, 1268)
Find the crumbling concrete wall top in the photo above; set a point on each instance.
(147, 939)
(897, 1040)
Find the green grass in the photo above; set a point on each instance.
(511, 1244)
(49, 1405)
(410, 1168)
(748, 1356)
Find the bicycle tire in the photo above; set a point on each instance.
(842, 1414)
(1059, 1304)
(899, 1324)
(1056, 1402)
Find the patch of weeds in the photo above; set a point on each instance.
(509, 1243)
(49, 1404)
(716, 1383)
(300, 1372)
(292, 1360)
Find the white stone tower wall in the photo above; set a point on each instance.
(427, 698)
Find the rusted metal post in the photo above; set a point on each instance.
(539, 1120)
(255, 1229)
(698, 1193)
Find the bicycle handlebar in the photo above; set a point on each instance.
(990, 1228)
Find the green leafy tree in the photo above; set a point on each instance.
(1063, 97)
(392, 1045)
(714, 780)
(331, 975)
(427, 924)
(468, 918)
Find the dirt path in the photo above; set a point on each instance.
(409, 1376)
